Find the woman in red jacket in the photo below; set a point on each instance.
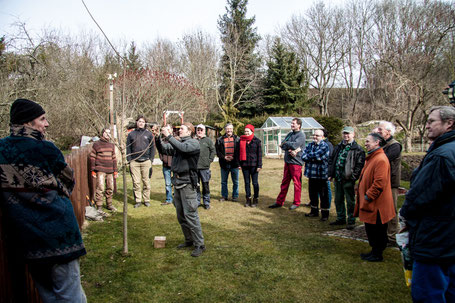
(251, 163)
(374, 204)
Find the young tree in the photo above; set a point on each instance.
(239, 62)
(286, 85)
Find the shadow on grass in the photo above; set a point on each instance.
(253, 255)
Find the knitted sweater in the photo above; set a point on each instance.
(102, 157)
(35, 184)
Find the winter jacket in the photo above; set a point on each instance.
(293, 141)
(374, 183)
(429, 208)
(207, 153)
(392, 150)
(140, 145)
(185, 155)
(166, 159)
(102, 157)
(354, 161)
(220, 152)
(253, 154)
(316, 158)
(35, 186)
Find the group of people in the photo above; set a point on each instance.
(36, 183)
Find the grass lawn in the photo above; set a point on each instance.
(253, 255)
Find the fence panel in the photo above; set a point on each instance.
(16, 284)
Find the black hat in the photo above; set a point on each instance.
(23, 111)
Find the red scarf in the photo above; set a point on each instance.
(244, 139)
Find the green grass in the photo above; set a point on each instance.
(253, 255)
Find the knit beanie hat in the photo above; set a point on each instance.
(23, 111)
(251, 127)
(190, 126)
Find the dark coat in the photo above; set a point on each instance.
(140, 145)
(207, 153)
(354, 161)
(429, 208)
(220, 152)
(253, 154)
(392, 150)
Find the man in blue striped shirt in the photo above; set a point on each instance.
(316, 157)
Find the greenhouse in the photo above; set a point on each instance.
(275, 129)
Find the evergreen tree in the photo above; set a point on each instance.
(133, 61)
(286, 82)
(239, 63)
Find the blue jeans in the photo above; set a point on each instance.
(59, 282)
(330, 193)
(168, 183)
(224, 181)
(433, 282)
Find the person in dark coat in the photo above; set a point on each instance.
(345, 166)
(227, 151)
(251, 164)
(41, 227)
(140, 152)
(206, 156)
(429, 212)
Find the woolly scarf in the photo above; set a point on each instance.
(244, 140)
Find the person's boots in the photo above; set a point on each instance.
(248, 202)
(255, 202)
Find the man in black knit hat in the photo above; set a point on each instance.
(36, 184)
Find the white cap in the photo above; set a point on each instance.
(201, 126)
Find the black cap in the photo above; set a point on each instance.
(23, 111)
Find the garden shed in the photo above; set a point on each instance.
(275, 129)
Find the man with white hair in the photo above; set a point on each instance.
(392, 150)
(429, 212)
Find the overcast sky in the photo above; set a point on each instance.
(141, 20)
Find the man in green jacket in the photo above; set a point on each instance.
(206, 156)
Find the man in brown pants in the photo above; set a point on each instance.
(104, 168)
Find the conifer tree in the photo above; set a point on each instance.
(286, 82)
(239, 63)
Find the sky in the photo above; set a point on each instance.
(141, 20)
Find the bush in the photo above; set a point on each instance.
(333, 125)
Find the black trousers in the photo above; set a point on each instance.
(377, 236)
(250, 174)
(317, 188)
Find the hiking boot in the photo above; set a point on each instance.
(147, 204)
(312, 215)
(111, 208)
(248, 202)
(293, 207)
(338, 222)
(198, 250)
(184, 245)
(234, 199)
(364, 256)
(223, 199)
(255, 202)
(137, 205)
(207, 206)
(275, 206)
(374, 258)
(350, 226)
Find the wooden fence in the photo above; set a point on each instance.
(16, 284)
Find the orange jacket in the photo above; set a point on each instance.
(374, 181)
